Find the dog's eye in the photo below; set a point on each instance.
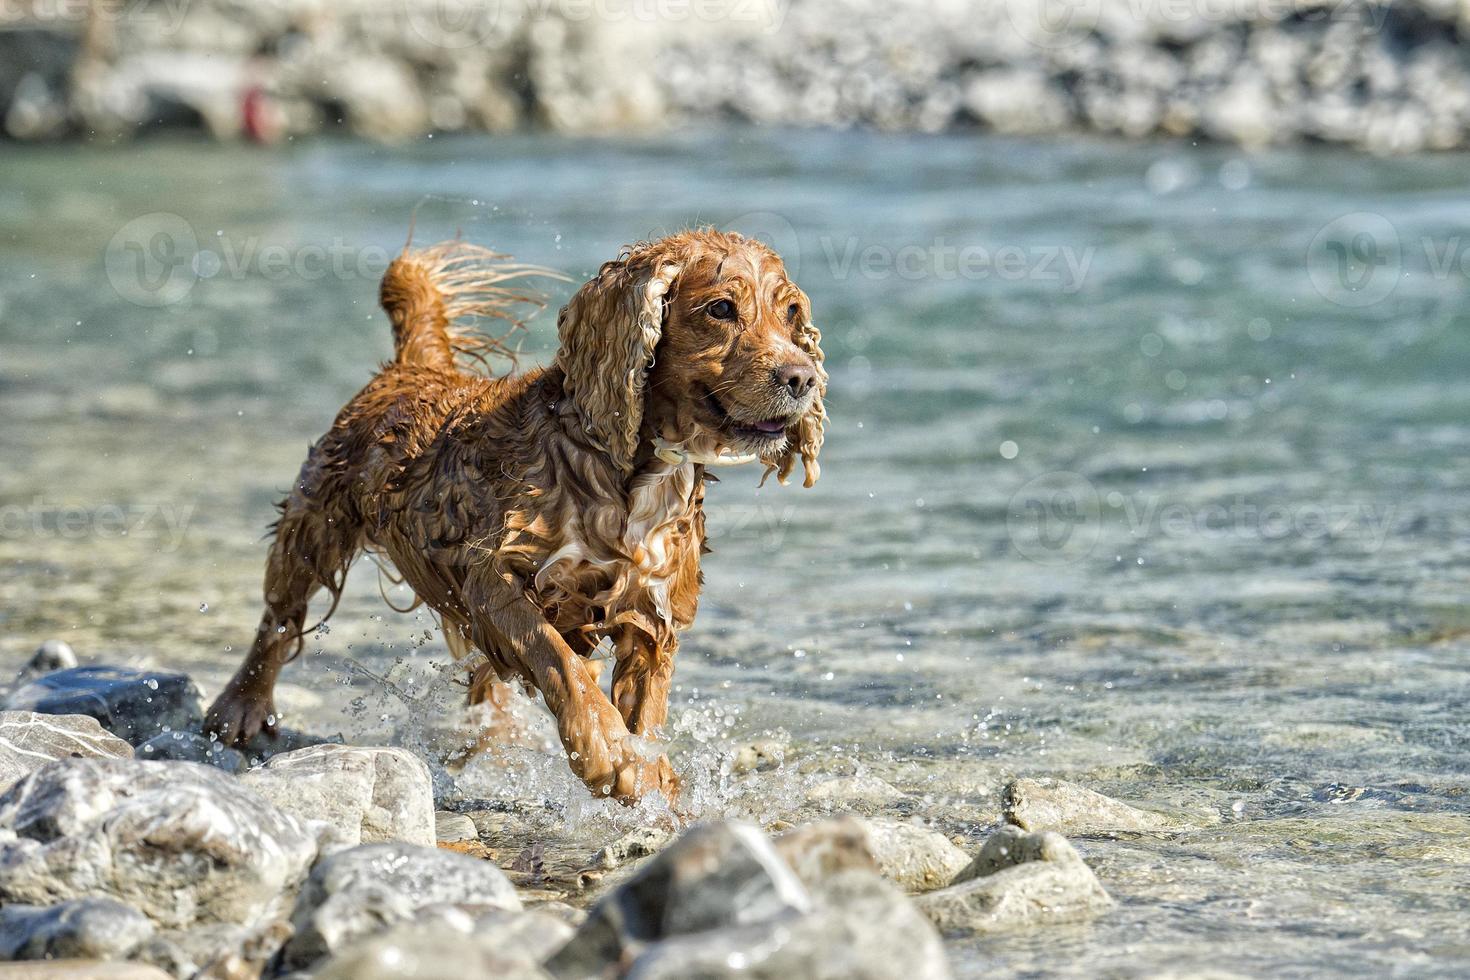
(793, 311)
(722, 309)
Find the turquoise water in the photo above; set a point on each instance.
(1146, 469)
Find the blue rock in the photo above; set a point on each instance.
(134, 705)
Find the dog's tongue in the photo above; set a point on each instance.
(772, 425)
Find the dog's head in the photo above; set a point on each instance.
(701, 340)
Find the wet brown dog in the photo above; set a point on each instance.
(542, 513)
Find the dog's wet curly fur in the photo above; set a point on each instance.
(542, 513)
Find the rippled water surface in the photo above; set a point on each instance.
(1162, 492)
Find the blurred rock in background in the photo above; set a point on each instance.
(1385, 77)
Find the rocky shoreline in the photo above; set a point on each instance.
(1389, 78)
(335, 861)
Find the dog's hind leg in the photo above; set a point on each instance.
(316, 540)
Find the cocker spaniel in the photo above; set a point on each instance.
(542, 513)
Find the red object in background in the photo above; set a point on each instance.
(259, 119)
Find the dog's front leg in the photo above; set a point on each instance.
(641, 678)
(602, 751)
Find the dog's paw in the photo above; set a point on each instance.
(640, 776)
(238, 715)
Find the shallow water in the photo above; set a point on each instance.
(1176, 513)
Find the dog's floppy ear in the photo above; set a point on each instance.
(608, 333)
(804, 437)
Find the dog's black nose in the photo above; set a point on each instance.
(796, 378)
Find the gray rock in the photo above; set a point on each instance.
(51, 655)
(1017, 881)
(451, 827)
(83, 970)
(183, 843)
(224, 951)
(369, 794)
(762, 755)
(862, 927)
(189, 747)
(29, 740)
(817, 851)
(361, 891)
(1052, 804)
(132, 704)
(84, 928)
(437, 951)
(265, 745)
(913, 857)
(715, 876)
(633, 845)
(864, 793)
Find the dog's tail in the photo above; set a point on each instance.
(436, 298)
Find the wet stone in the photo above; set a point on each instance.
(85, 928)
(914, 857)
(51, 656)
(82, 970)
(220, 950)
(635, 844)
(450, 827)
(29, 740)
(1053, 804)
(817, 851)
(134, 705)
(715, 876)
(1017, 881)
(860, 927)
(189, 747)
(864, 793)
(438, 950)
(368, 794)
(358, 892)
(183, 843)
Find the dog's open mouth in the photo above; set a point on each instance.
(767, 430)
